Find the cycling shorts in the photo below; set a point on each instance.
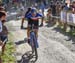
(35, 23)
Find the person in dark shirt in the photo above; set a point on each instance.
(53, 7)
(33, 20)
(42, 7)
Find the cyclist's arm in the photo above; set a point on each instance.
(23, 18)
(28, 16)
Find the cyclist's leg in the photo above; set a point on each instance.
(22, 23)
(28, 29)
(42, 20)
(36, 27)
(36, 32)
(36, 38)
(28, 32)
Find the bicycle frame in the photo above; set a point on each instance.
(33, 41)
(33, 35)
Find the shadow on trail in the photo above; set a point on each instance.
(68, 34)
(28, 57)
(50, 24)
(24, 28)
(21, 42)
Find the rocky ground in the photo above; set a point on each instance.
(53, 44)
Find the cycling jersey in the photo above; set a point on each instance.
(30, 15)
(31, 21)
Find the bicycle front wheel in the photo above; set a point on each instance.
(34, 44)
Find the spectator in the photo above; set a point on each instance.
(73, 7)
(66, 8)
(58, 9)
(23, 2)
(2, 8)
(49, 15)
(53, 7)
(3, 31)
(73, 11)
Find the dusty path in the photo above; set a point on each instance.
(53, 46)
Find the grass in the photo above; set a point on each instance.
(8, 56)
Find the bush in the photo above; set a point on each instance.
(8, 56)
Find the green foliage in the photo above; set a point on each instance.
(8, 56)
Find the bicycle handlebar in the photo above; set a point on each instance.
(35, 18)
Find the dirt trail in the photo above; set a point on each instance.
(53, 46)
